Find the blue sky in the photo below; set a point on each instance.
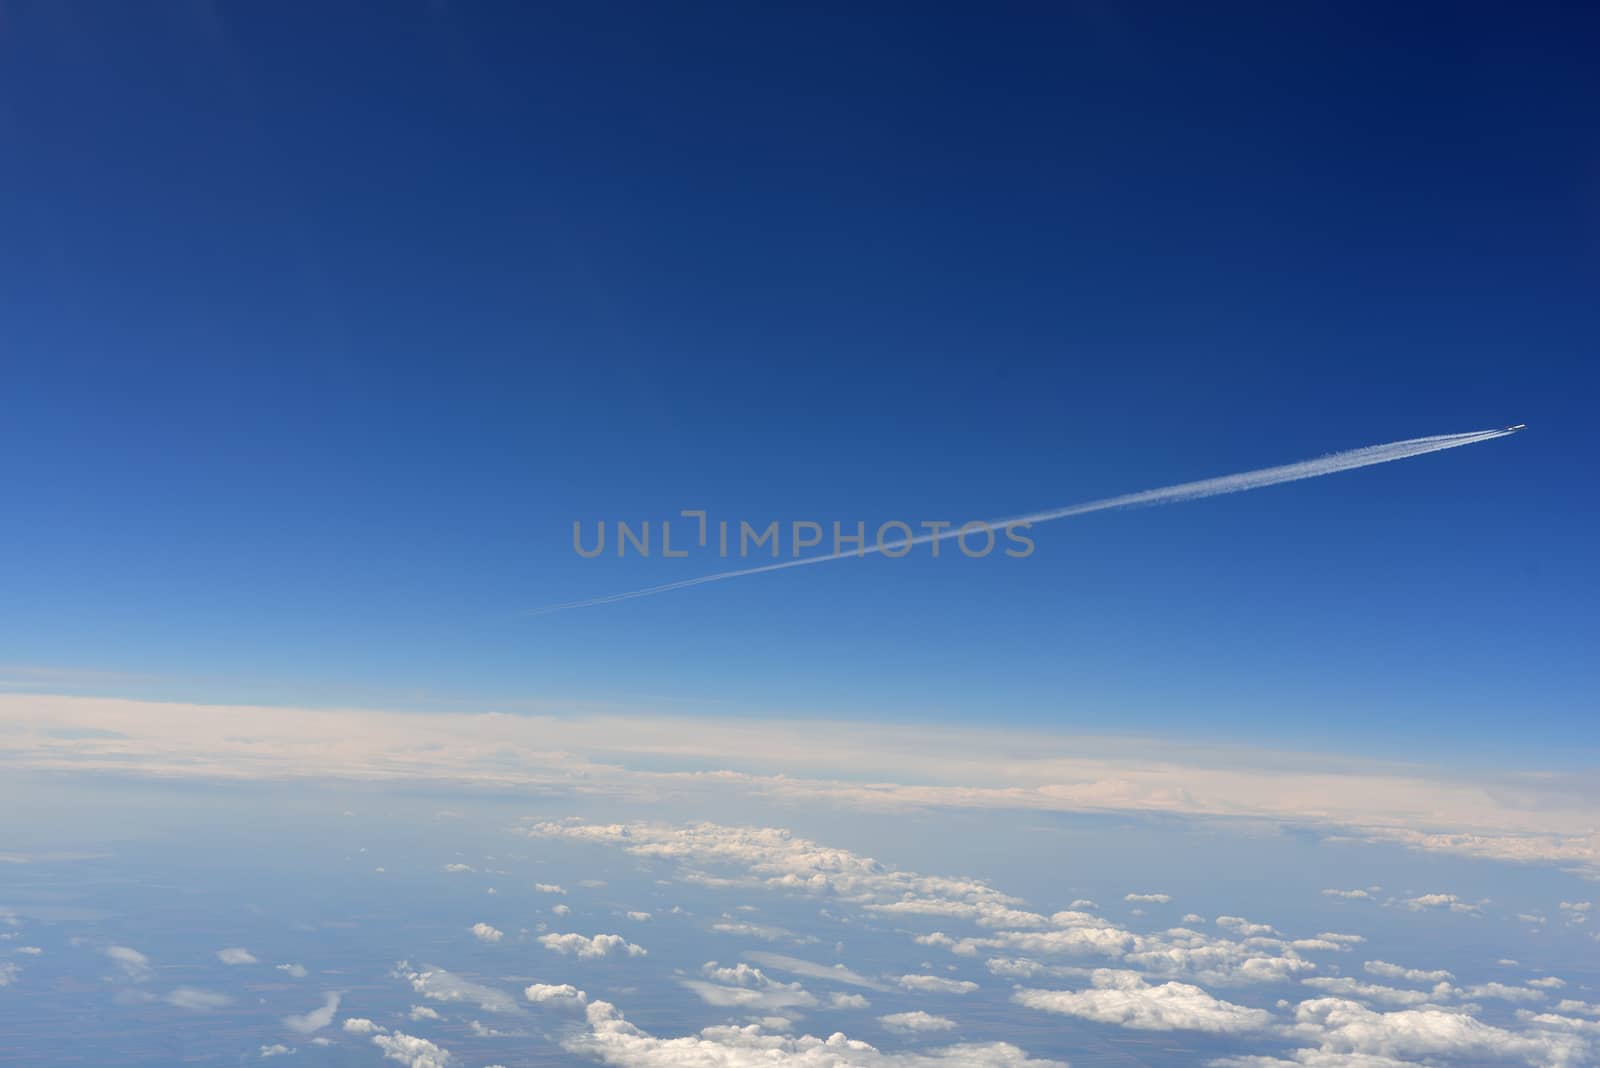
(320, 332)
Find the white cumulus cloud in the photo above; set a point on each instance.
(612, 1039)
(916, 1021)
(413, 1052)
(591, 948)
(555, 994)
(1124, 998)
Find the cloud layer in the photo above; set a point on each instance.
(1508, 816)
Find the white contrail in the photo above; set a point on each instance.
(1183, 491)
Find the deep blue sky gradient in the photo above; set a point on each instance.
(321, 324)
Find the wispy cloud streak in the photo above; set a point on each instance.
(1333, 463)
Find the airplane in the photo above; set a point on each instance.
(1519, 426)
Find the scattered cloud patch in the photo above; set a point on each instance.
(1439, 902)
(555, 994)
(1385, 970)
(1124, 998)
(610, 1038)
(413, 1052)
(916, 1022)
(196, 999)
(591, 948)
(133, 964)
(765, 931)
(307, 1023)
(836, 973)
(441, 985)
(936, 984)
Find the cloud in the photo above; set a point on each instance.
(1344, 1028)
(612, 1039)
(441, 985)
(1345, 940)
(764, 931)
(592, 948)
(8, 973)
(552, 994)
(236, 955)
(1348, 895)
(360, 1025)
(774, 859)
(1124, 998)
(310, 1022)
(1025, 968)
(936, 984)
(1550, 1021)
(422, 1012)
(1175, 953)
(133, 964)
(298, 971)
(1502, 992)
(1151, 899)
(548, 888)
(277, 1049)
(1386, 970)
(479, 1029)
(1241, 926)
(458, 868)
(834, 973)
(484, 933)
(639, 917)
(750, 989)
(1433, 902)
(413, 1052)
(1346, 987)
(190, 997)
(915, 1022)
(1507, 816)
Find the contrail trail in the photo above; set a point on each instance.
(1183, 491)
